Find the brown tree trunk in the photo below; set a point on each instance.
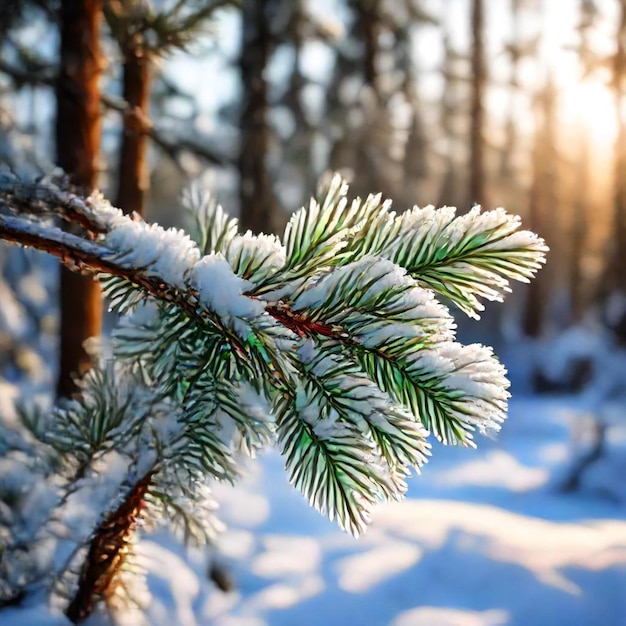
(256, 192)
(133, 180)
(367, 29)
(510, 142)
(78, 125)
(451, 192)
(477, 187)
(584, 183)
(543, 199)
(617, 267)
(580, 228)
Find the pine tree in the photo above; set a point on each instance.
(330, 344)
(77, 131)
(477, 182)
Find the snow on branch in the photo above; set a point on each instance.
(329, 342)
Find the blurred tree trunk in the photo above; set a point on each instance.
(78, 125)
(374, 165)
(367, 28)
(617, 265)
(510, 134)
(299, 149)
(415, 164)
(477, 185)
(133, 181)
(451, 192)
(580, 227)
(256, 192)
(543, 198)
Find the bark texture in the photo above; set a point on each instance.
(133, 180)
(256, 193)
(477, 185)
(100, 574)
(78, 128)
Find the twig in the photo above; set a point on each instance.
(87, 256)
(172, 147)
(107, 552)
(45, 77)
(43, 199)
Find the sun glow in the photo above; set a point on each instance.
(590, 107)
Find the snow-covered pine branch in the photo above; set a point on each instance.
(329, 343)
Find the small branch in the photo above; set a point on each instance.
(87, 256)
(107, 552)
(71, 249)
(300, 324)
(43, 199)
(43, 77)
(173, 147)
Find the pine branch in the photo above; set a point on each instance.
(86, 256)
(334, 332)
(47, 199)
(107, 553)
(461, 258)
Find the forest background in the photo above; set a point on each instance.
(518, 103)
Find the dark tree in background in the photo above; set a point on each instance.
(367, 18)
(617, 272)
(371, 159)
(451, 191)
(583, 197)
(477, 182)
(256, 192)
(128, 27)
(515, 51)
(78, 130)
(543, 204)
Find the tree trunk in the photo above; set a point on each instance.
(256, 193)
(617, 274)
(78, 125)
(510, 142)
(451, 191)
(580, 228)
(367, 30)
(543, 198)
(477, 188)
(133, 180)
(584, 183)
(99, 576)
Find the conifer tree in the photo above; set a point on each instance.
(77, 130)
(330, 344)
